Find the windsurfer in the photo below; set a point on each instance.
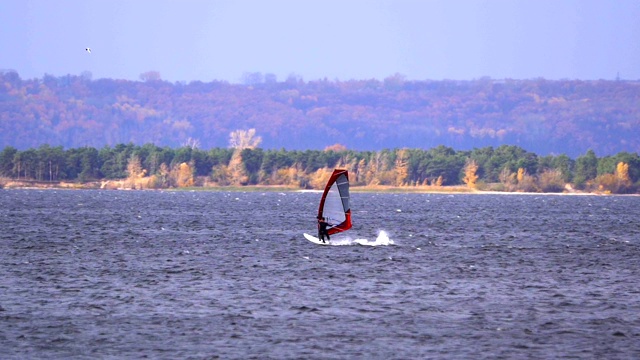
(322, 229)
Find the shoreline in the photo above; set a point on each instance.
(386, 189)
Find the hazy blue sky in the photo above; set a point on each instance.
(337, 39)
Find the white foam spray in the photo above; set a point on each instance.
(382, 240)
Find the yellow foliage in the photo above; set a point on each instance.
(183, 175)
(136, 173)
(318, 179)
(526, 182)
(377, 171)
(371, 172)
(401, 167)
(622, 172)
(521, 174)
(470, 176)
(153, 182)
(617, 183)
(134, 167)
(237, 173)
(288, 176)
(608, 183)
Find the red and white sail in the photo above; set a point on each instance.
(334, 205)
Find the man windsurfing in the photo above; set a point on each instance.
(322, 229)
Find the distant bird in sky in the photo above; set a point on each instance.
(88, 50)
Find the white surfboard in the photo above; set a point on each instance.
(315, 240)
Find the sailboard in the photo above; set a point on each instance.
(335, 208)
(314, 239)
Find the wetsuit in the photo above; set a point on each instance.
(322, 230)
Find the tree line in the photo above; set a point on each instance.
(505, 168)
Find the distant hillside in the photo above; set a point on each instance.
(546, 117)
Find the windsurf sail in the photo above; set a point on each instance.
(334, 205)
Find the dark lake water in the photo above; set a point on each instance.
(200, 275)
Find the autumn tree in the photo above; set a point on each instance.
(182, 175)
(470, 176)
(401, 167)
(551, 180)
(318, 179)
(240, 140)
(520, 176)
(162, 178)
(291, 176)
(526, 182)
(237, 172)
(617, 183)
(373, 168)
(360, 172)
(622, 173)
(135, 171)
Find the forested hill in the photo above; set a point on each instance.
(542, 116)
